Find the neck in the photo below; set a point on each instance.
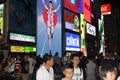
(47, 66)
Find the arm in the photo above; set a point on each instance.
(56, 8)
(44, 4)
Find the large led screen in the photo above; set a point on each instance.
(1, 20)
(72, 42)
(22, 16)
(71, 21)
(49, 27)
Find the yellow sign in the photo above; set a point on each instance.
(17, 49)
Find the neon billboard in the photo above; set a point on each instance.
(87, 10)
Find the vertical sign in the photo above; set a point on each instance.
(1, 20)
(49, 27)
(82, 28)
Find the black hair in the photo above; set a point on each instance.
(50, 1)
(105, 69)
(47, 57)
(67, 65)
(75, 55)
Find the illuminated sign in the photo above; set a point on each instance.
(73, 1)
(91, 29)
(25, 49)
(72, 42)
(82, 28)
(105, 9)
(1, 18)
(69, 5)
(71, 21)
(79, 4)
(17, 49)
(21, 37)
(30, 49)
(87, 10)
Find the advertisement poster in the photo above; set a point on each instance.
(23, 14)
(1, 19)
(49, 27)
(71, 21)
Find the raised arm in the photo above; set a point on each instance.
(43, 1)
(56, 8)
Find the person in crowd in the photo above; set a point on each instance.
(107, 60)
(78, 72)
(107, 72)
(83, 62)
(67, 71)
(32, 63)
(25, 68)
(57, 65)
(17, 67)
(91, 69)
(46, 72)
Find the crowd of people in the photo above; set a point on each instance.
(49, 67)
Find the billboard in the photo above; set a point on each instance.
(49, 27)
(1, 20)
(91, 29)
(101, 34)
(105, 9)
(70, 5)
(22, 49)
(72, 42)
(87, 10)
(71, 21)
(23, 15)
(83, 37)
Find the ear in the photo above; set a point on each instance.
(104, 78)
(64, 72)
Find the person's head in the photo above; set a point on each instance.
(50, 4)
(107, 72)
(48, 59)
(75, 59)
(67, 70)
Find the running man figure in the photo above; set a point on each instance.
(50, 20)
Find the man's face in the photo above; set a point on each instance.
(51, 62)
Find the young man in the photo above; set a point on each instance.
(45, 72)
(78, 72)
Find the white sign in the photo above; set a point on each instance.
(91, 29)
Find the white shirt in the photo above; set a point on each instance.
(44, 74)
(32, 63)
(78, 74)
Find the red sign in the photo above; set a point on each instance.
(87, 10)
(70, 6)
(106, 9)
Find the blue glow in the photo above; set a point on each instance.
(73, 1)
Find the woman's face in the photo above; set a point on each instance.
(110, 76)
(68, 73)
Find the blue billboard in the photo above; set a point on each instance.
(72, 42)
(49, 27)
